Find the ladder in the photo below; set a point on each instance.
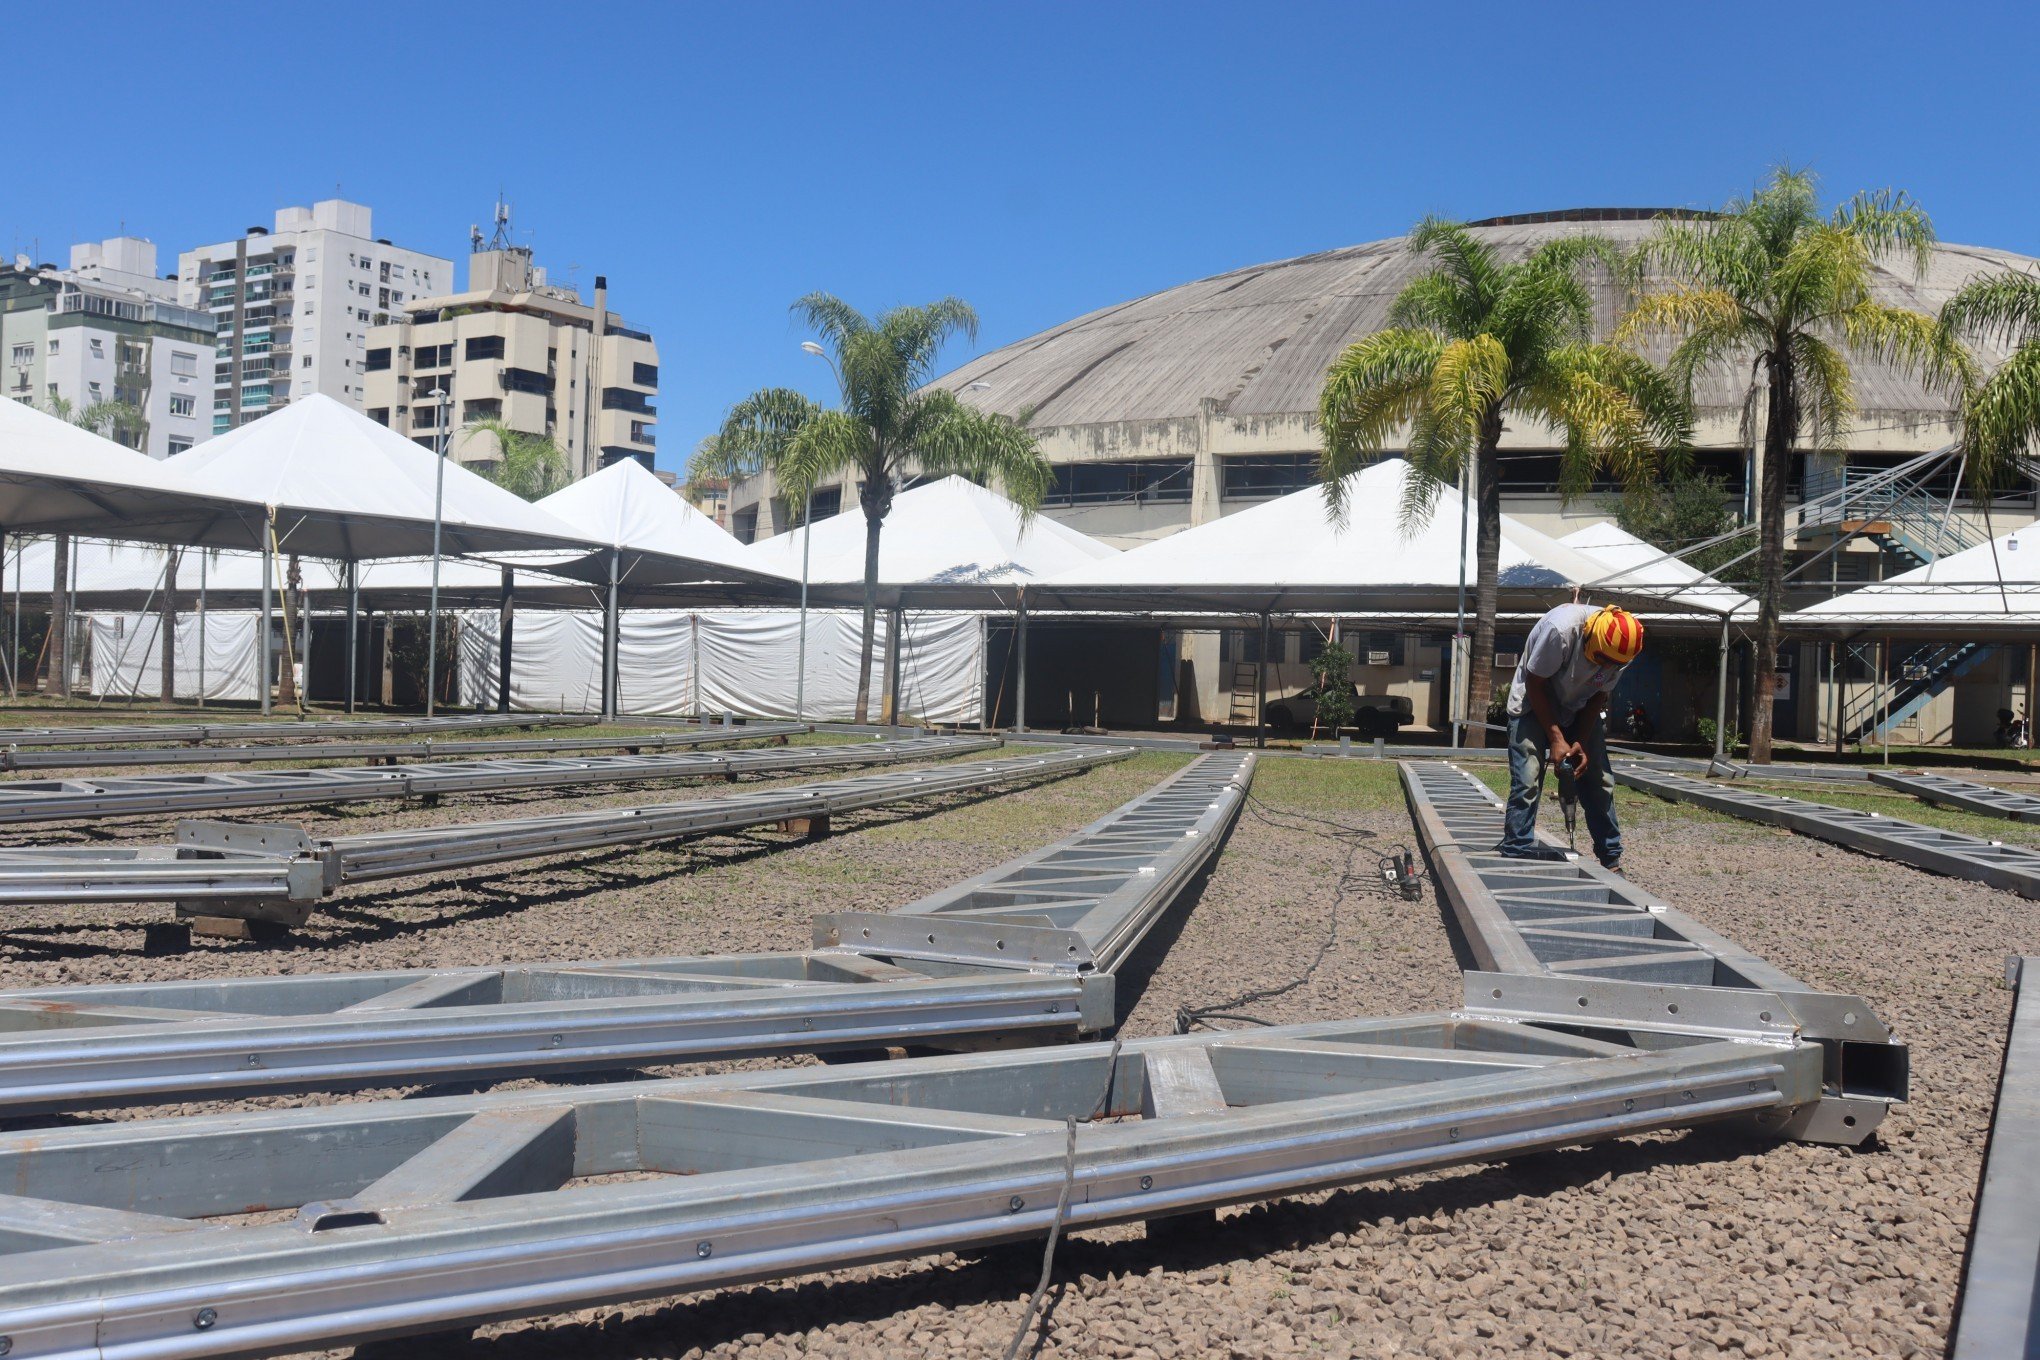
(1246, 687)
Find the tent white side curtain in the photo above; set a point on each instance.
(741, 661)
(125, 658)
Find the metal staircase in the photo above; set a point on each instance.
(1908, 521)
(1928, 670)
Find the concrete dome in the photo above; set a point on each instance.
(1235, 361)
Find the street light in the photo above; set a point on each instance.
(440, 395)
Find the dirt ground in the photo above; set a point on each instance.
(1698, 1244)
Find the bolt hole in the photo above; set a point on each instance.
(1848, 1121)
(1583, 1003)
(1672, 1009)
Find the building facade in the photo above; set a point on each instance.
(108, 330)
(294, 305)
(517, 349)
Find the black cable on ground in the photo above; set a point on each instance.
(1062, 1205)
(1395, 872)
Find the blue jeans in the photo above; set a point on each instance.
(1527, 760)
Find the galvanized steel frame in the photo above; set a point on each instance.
(2012, 867)
(1001, 971)
(1985, 799)
(26, 801)
(385, 751)
(229, 868)
(1563, 938)
(1998, 1314)
(404, 1216)
(139, 734)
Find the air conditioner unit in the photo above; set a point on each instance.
(1377, 658)
(1507, 659)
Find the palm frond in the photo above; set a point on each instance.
(1434, 301)
(949, 438)
(2002, 307)
(1687, 308)
(1911, 341)
(828, 443)
(832, 318)
(1462, 254)
(755, 433)
(1824, 393)
(2001, 418)
(1889, 223)
(1373, 389)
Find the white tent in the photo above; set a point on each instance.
(1289, 554)
(57, 478)
(348, 489)
(1992, 589)
(624, 506)
(1633, 563)
(950, 530)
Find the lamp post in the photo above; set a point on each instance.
(440, 395)
(807, 530)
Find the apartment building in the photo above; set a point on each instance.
(524, 351)
(294, 305)
(108, 330)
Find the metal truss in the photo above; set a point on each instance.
(138, 734)
(291, 1230)
(277, 873)
(1987, 799)
(23, 801)
(388, 752)
(2012, 867)
(1999, 1311)
(1566, 938)
(1023, 952)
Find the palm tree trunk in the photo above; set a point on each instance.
(57, 680)
(872, 525)
(1487, 511)
(1780, 426)
(168, 627)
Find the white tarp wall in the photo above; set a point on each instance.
(127, 662)
(742, 661)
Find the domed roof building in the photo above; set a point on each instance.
(1180, 406)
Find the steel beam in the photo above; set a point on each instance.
(557, 1199)
(1564, 938)
(139, 734)
(230, 864)
(389, 752)
(867, 986)
(1998, 1314)
(2012, 867)
(1985, 799)
(25, 801)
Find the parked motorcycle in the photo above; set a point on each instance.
(2011, 730)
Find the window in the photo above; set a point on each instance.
(645, 375)
(379, 414)
(378, 360)
(623, 399)
(178, 446)
(183, 406)
(53, 344)
(641, 433)
(485, 347)
(1265, 475)
(93, 389)
(744, 525)
(183, 364)
(827, 502)
(24, 354)
(1148, 481)
(98, 347)
(305, 362)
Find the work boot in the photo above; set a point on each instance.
(1543, 853)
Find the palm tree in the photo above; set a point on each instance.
(889, 425)
(1777, 286)
(2001, 415)
(1471, 343)
(527, 465)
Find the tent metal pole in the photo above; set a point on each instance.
(3, 591)
(807, 524)
(14, 670)
(353, 631)
(612, 647)
(438, 518)
(201, 629)
(304, 689)
(505, 617)
(1261, 689)
(268, 570)
(1461, 648)
(1721, 694)
(1020, 671)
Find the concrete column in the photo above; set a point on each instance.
(1205, 481)
(1020, 668)
(895, 643)
(505, 619)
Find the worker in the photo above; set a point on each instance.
(1569, 665)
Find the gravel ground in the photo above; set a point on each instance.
(1699, 1244)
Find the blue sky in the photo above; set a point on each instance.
(717, 162)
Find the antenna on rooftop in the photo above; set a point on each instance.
(500, 240)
